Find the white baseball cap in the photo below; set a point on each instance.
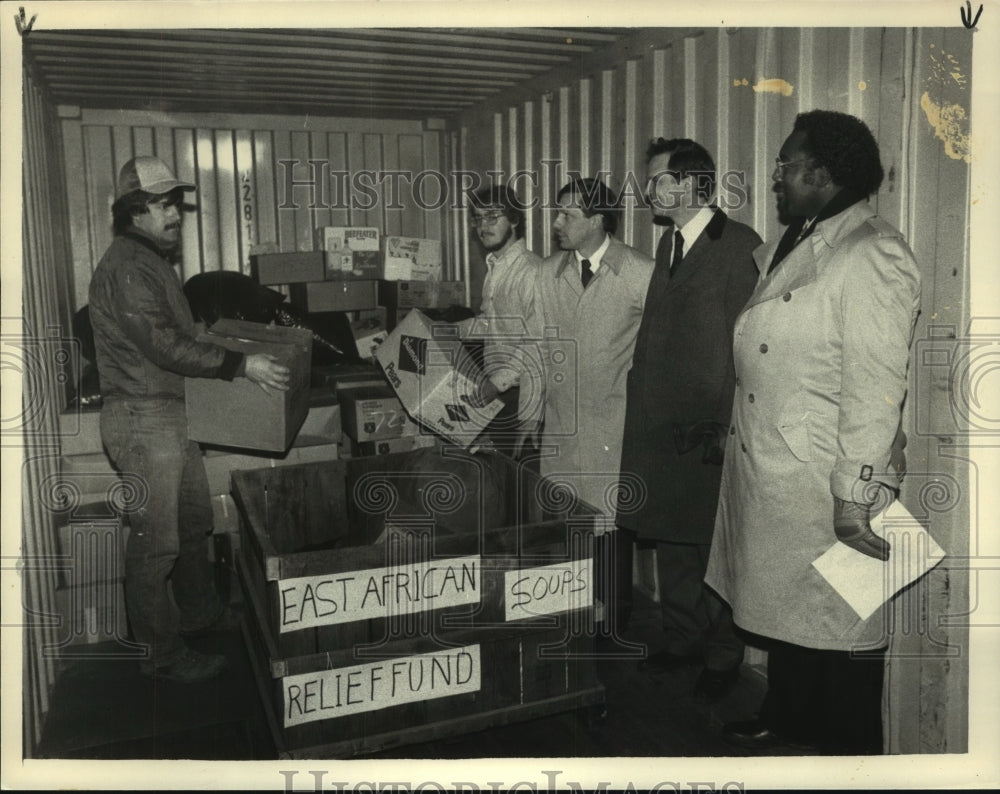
(150, 174)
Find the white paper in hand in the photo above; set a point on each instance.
(866, 583)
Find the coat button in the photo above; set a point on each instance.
(737, 381)
(732, 430)
(743, 447)
(763, 348)
(786, 297)
(750, 398)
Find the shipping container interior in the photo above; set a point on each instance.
(288, 130)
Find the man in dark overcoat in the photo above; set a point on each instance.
(680, 392)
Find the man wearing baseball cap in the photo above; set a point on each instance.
(146, 345)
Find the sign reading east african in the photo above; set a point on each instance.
(326, 599)
(326, 694)
(545, 591)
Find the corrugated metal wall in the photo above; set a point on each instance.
(260, 179)
(40, 355)
(737, 92)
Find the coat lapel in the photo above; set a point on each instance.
(699, 251)
(567, 272)
(796, 270)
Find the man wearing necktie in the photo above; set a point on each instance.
(680, 393)
(588, 305)
(821, 352)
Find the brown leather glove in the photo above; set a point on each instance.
(852, 525)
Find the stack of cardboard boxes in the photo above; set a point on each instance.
(375, 279)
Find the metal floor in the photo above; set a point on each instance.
(103, 709)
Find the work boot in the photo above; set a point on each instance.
(188, 668)
(227, 620)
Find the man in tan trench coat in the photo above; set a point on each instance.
(589, 299)
(821, 352)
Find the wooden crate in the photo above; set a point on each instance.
(404, 555)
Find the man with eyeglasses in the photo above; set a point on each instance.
(496, 215)
(821, 352)
(680, 395)
(145, 341)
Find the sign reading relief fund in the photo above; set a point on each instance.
(326, 599)
(326, 694)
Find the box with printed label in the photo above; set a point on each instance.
(335, 296)
(387, 446)
(411, 259)
(351, 251)
(288, 268)
(434, 377)
(371, 413)
(421, 294)
(239, 413)
(368, 330)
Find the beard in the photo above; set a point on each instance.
(497, 246)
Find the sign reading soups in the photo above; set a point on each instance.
(545, 591)
(325, 599)
(326, 694)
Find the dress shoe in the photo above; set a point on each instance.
(755, 735)
(664, 661)
(713, 685)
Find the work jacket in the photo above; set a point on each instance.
(144, 333)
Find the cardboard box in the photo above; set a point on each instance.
(421, 294)
(91, 613)
(388, 446)
(335, 296)
(372, 413)
(434, 375)
(338, 376)
(322, 421)
(288, 268)
(411, 259)
(94, 549)
(350, 251)
(80, 431)
(239, 413)
(369, 331)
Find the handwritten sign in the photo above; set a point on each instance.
(327, 694)
(545, 591)
(326, 599)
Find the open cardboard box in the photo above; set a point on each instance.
(435, 377)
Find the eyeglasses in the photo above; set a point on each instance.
(486, 219)
(781, 165)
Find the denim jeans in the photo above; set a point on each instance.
(148, 438)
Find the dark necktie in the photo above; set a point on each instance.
(586, 274)
(678, 253)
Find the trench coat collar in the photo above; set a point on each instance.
(800, 266)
